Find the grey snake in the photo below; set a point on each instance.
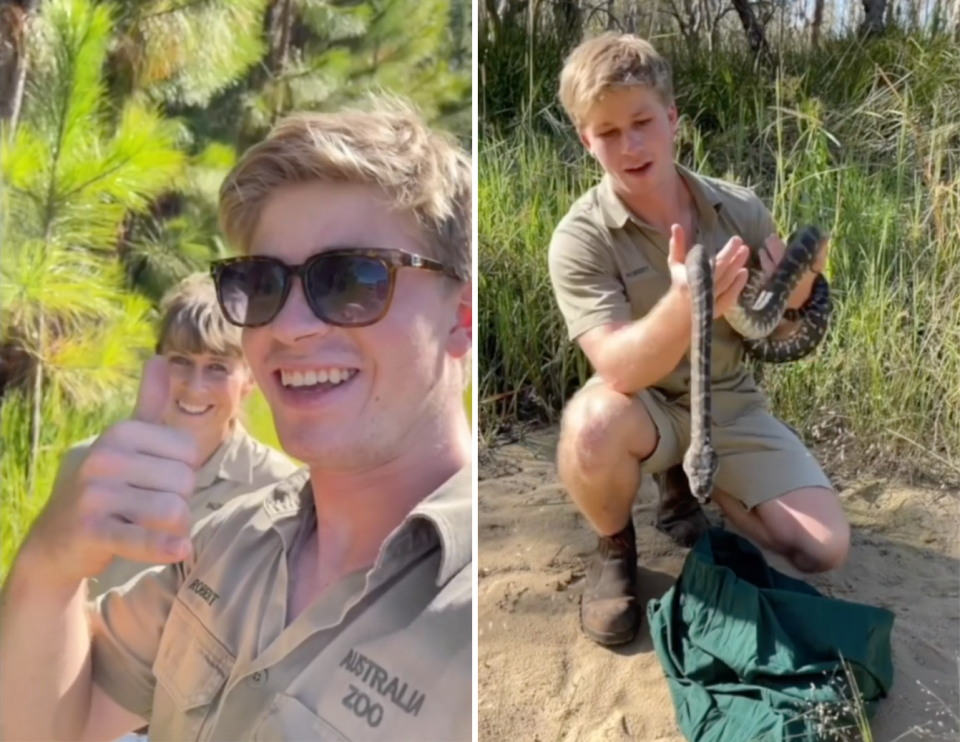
(759, 310)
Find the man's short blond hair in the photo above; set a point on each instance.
(608, 61)
(386, 144)
(191, 321)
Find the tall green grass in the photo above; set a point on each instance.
(870, 151)
(17, 509)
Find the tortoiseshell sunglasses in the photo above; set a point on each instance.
(346, 287)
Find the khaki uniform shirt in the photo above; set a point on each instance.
(607, 265)
(202, 649)
(241, 465)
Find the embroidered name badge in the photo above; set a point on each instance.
(205, 592)
(636, 272)
(376, 685)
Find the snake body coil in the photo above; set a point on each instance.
(763, 303)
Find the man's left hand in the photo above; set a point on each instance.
(770, 258)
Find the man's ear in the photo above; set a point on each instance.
(248, 382)
(673, 116)
(461, 333)
(585, 141)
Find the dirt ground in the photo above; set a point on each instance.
(540, 679)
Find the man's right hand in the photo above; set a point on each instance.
(729, 271)
(129, 496)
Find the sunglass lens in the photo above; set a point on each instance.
(251, 291)
(349, 289)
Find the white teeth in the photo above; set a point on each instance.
(320, 376)
(192, 409)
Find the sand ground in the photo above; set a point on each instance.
(541, 680)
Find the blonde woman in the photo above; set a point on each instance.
(209, 382)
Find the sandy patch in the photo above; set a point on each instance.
(540, 679)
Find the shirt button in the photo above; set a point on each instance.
(258, 679)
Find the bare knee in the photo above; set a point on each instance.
(601, 426)
(809, 528)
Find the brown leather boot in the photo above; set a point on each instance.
(609, 613)
(679, 515)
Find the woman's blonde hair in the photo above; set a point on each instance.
(191, 320)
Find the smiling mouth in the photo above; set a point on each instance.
(315, 380)
(193, 410)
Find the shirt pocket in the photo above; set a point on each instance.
(191, 668)
(288, 719)
(645, 286)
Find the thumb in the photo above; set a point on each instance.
(678, 247)
(154, 390)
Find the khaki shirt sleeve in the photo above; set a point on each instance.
(127, 623)
(126, 626)
(586, 280)
(760, 226)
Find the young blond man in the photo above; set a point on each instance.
(617, 267)
(337, 604)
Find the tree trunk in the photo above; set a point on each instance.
(938, 18)
(873, 17)
(567, 15)
(11, 55)
(752, 27)
(686, 19)
(654, 21)
(37, 413)
(630, 13)
(817, 23)
(279, 55)
(15, 19)
(891, 14)
(493, 17)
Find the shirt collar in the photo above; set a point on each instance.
(450, 510)
(231, 461)
(616, 214)
(447, 512)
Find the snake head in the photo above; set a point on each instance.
(700, 466)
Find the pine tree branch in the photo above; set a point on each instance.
(176, 9)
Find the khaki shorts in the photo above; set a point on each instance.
(759, 457)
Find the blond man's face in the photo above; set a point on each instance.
(630, 132)
(351, 398)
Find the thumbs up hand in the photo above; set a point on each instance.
(154, 391)
(127, 498)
